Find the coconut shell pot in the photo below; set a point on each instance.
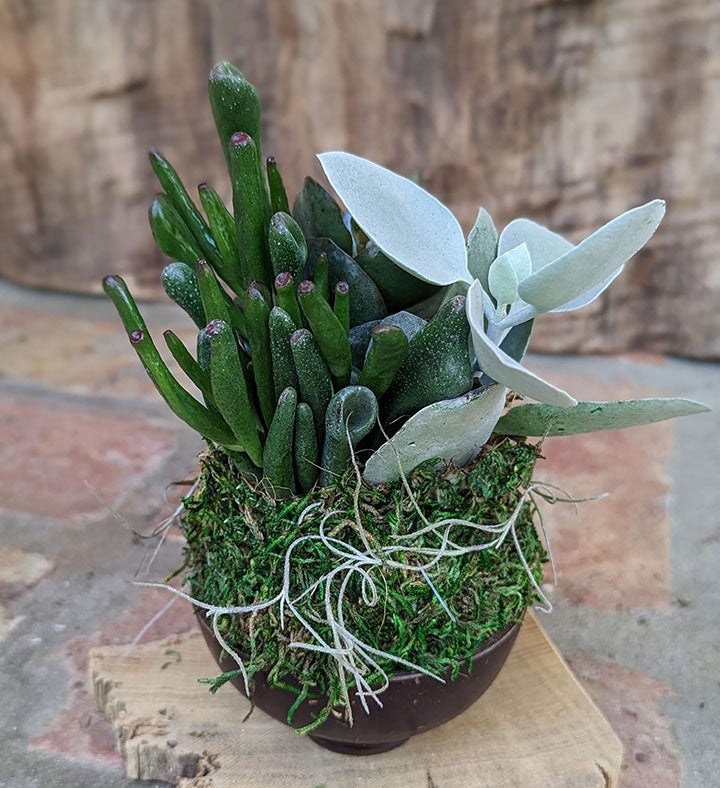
(412, 704)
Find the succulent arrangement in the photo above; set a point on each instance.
(365, 364)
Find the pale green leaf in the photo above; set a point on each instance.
(546, 420)
(482, 247)
(519, 257)
(454, 429)
(544, 245)
(503, 369)
(410, 226)
(502, 280)
(593, 261)
(588, 296)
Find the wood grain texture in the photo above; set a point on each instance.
(87, 88)
(534, 727)
(567, 111)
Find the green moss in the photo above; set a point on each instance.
(237, 538)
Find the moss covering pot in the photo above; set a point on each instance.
(401, 608)
(364, 524)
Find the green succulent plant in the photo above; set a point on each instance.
(288, 307)
(370, 342)
(376, 330)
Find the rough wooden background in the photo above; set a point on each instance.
(568, 111)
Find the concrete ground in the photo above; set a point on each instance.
(637, 604)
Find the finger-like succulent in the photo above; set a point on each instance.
(374, 331)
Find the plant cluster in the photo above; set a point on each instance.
(355, 366)
(322, 332)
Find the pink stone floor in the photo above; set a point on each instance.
(91, 459)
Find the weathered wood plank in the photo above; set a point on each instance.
(568, 112)
(534, 727)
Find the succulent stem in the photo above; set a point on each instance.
(211, 426)
(286, 244)
(286, 297)
(170, 232)
(180, 282)
(251, 209)
(235, 105)
(257, 314)
(281, 328)
(387, 351)
(341, 305)
(183, 204)
(313, 375)
(229, 390)
(188, 364)
(278, 195)
(351, 415)
(306, 447)
(222, 226)
(278, 452)
(330, 335)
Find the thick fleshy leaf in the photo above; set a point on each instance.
(366, 303)
(507, 272)
(410, 323)
(410, 226)
(519, 259)
(589, 295)
(359, 338)
(361, 335)
(324, 215)
(454, 429)
(516, 342)
(502, 279)
(544, 245)
(398, 288)
(482, 247)
(350, 415)
(503, 369)
(542, 420)
(593, 260)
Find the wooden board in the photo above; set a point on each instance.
(566, 112)
(534, 727)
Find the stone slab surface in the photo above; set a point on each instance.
(50, 449)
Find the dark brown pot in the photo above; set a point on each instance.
(413, 702)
